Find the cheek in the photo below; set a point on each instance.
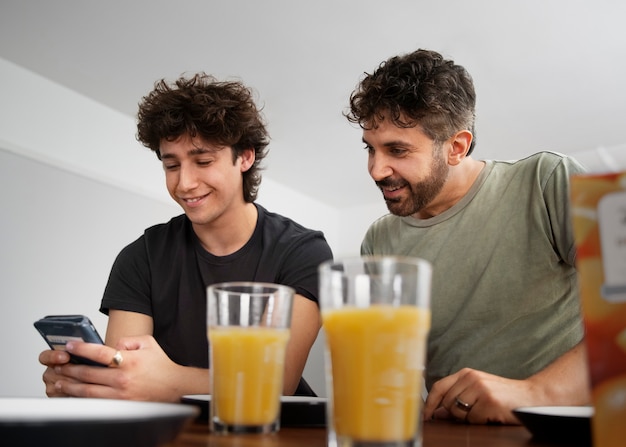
(371, 163)
(171, 181)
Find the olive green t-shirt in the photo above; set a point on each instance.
(504, 290)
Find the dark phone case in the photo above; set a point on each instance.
(57, 330)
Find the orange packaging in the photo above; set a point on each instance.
(247, 365)
(599, 220)
(377, 360)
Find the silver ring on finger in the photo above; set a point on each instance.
(117, 359)
(464, 406)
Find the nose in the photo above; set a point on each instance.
(187, 178)
(378, 166)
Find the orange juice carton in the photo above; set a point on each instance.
(599, 221)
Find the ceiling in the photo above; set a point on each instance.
(549, 74)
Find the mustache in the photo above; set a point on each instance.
(391, 183)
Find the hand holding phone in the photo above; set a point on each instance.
(57, 330)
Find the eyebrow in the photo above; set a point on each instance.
(194, 151)
(391, 143)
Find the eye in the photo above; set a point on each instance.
(204, 162)
(170, 166)
(397, 151)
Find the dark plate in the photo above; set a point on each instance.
(72, 422)
(295, 411)
(560, 424)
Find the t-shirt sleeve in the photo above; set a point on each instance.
(128, 287)
(366, 244)
(377, 237)
(300, 268)
(557, 197)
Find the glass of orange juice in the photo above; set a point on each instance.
(376, 318)
(248, 329)
(599, 222)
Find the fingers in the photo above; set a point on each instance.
(476, 397)
(75, 388)
(102, 354)
(461, 398)
(76, 380)
(463, 407)
(442, 396)
(128, 375)
(117, 359)
(83, 380)
(52, 358)
(453, 396)
(90, 381)
(50, 378)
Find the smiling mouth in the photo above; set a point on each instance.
(192, 200)
(390, 187)
(391, 193)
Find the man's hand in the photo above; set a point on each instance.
(477, 397)
(482, 398)
(142, 372)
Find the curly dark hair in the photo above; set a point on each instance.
(419, 88)
(222, 113)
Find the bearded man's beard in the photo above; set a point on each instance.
(421, 193)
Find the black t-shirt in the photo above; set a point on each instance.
(165, 273)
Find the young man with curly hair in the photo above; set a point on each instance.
(211, 139)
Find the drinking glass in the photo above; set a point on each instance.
(376, 316)
(248, 329)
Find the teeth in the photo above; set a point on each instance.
(192, 200)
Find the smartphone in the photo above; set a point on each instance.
(57, 330)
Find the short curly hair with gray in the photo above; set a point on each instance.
(420, 88)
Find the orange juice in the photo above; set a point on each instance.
(247, 365)
(599, 221)
(377, 357)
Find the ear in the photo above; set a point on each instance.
(459, 145)
(247, 159)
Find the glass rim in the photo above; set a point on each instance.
(413, 260)
(224, 286)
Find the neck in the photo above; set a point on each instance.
(230, 232)
(460, 179)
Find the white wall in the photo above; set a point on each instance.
(60, 235)
(75, 187)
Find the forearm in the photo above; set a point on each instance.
(188, 380)
(305, 326)
(565, 381)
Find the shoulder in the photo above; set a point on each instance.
(541, 168)
(544, 162)
(382, 232)
(284, 226)
(166, 236)
(385, 221)
(175, 224)
(285, 234)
